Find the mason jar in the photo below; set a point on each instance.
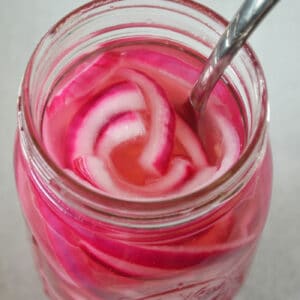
(88, 244)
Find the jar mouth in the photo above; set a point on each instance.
(202, 200)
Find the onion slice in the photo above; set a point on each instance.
(96, 172)
(86, 82)
(124, 127)
(191, 143)
(88, 123)
(156, 154)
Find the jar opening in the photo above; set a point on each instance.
(188, 23)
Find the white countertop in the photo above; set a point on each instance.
(275, 274)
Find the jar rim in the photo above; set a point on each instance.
(77, 188)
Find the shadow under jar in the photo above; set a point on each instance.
(180, 221)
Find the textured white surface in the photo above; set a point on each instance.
(275, 274)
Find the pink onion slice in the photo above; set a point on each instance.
(124, 256)
(123, 266)
(88, 123)
(191, 143)
(123, 128)
(96, 172)
(86, 82)
(200, 179)
(229, 142)
(221, 141)
(164, 64)
(156, 154)
(177, 175)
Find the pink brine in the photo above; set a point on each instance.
(130, 137)
(116, 127)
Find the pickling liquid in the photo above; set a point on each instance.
(118, 122)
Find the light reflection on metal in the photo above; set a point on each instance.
(244, 22)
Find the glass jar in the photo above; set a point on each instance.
(89, 245)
